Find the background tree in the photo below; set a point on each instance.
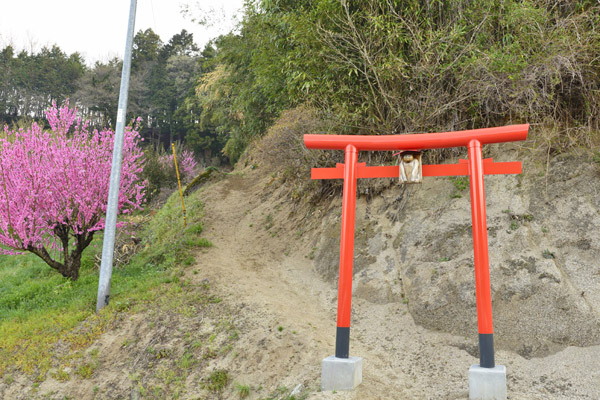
(244, 94)
(98, 93)
(54, 185)
(161, 91)
(30, 81)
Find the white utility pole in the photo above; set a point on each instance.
(110, 227)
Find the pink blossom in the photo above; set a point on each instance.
(54, 186)
(185, 161)
(187, 164)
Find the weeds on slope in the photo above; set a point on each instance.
(41, 311)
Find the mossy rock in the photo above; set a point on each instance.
(199, 180)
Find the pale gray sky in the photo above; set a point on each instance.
(97, 28)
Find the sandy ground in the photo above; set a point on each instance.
(261, 261)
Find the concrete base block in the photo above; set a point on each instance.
(341, 373)
(487, 383)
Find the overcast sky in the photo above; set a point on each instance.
(97, 28)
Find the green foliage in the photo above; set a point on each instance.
(146, 48)
(548, 254)
(460, 184)
(405, 65)
(29, 80)
(161, 89)
(86, 370)
(155, 173)
(187, 361)
(371, 66)
(61, 376)
(159, 169)
(203, 139)
(168, 73)
(514, 225)
(247, 91)
(166, 244)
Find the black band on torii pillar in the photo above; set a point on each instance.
(486, 350)
(342, 342)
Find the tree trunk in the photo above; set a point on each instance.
(71, 266)
(68, 269)
(72, 261)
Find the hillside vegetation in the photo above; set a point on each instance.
(401, 66)
(40, 310)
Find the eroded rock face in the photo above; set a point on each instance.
(415, 245)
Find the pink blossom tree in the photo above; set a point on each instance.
(187, 164)
(54, 187)
(186, 161)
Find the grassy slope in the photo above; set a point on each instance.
(39, 309)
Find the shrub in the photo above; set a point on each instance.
(282, 150)
(185, 162)
(159, 168)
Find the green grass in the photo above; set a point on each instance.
(187, 361)
(243, 390)
(460, 184)
(38, 307)
(86, 370)
(217, 380)
(514, 225)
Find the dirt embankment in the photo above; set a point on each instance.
(414, 319)
(414, 244)
(274, 266)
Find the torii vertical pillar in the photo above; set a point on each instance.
(342, 372)
(482, 264)
(342, 339)
(486, 380)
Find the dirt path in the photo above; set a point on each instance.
(260, 260)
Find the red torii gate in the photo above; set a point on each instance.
(475, 168)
